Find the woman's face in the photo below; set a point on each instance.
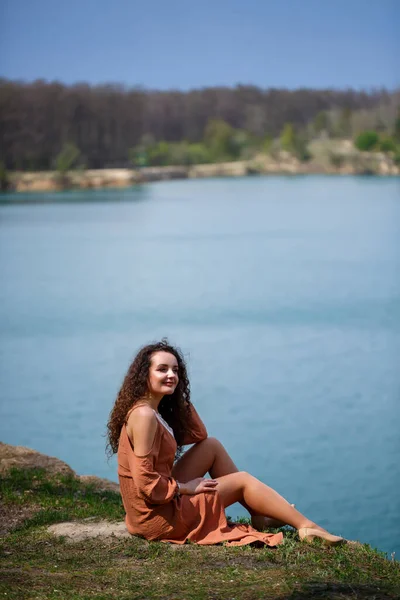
(163, 374)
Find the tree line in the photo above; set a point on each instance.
(50, 125)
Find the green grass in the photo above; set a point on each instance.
(35, 564)
(58, 498)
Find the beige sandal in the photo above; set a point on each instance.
(307, 534)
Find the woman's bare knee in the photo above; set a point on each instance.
(211, 442)
(214, 446)
(231, 487)
(234, 481)
(245, 477)
(244, 480)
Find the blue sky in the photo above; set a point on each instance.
(184, 44)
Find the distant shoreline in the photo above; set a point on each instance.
(285, 164)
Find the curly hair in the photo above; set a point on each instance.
(173, 408)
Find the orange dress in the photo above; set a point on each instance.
(155, 511)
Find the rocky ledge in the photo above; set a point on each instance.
(343, 160)
(26, 458)
(73, 531)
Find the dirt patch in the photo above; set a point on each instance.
(77, 531)
(12, 515)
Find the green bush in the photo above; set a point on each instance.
(159, 154)
(178, 153)
(267, 143)
(221, 143)
(243, 145)
(219, 139)
(138, 156)
(301, 149)
(288, 138)
(67, 158)
(296, 143)
(387, 145)
(164, 154)
(198, 154)
(367, 141)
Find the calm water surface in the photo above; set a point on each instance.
(284, 294)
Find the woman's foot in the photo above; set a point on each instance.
(308, 534)
(260, 522)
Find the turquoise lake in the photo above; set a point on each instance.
(283, 293)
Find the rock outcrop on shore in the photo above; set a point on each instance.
(346, 161)
(26, 458)
(73, 531)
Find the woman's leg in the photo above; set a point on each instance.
(210, 456)
(241, 486)
(234, 486)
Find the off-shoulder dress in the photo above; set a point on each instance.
(156, 511)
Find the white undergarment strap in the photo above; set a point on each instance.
(163, 422)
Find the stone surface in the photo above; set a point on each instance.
(231, 169)
(77, 531)
(26, 458)
(354, 162)
(21, 457)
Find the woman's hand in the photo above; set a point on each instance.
(198, 486)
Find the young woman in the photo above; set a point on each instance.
(151, 419)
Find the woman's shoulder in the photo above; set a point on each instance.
(141, 413)
(141, 417)
(141, 428)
